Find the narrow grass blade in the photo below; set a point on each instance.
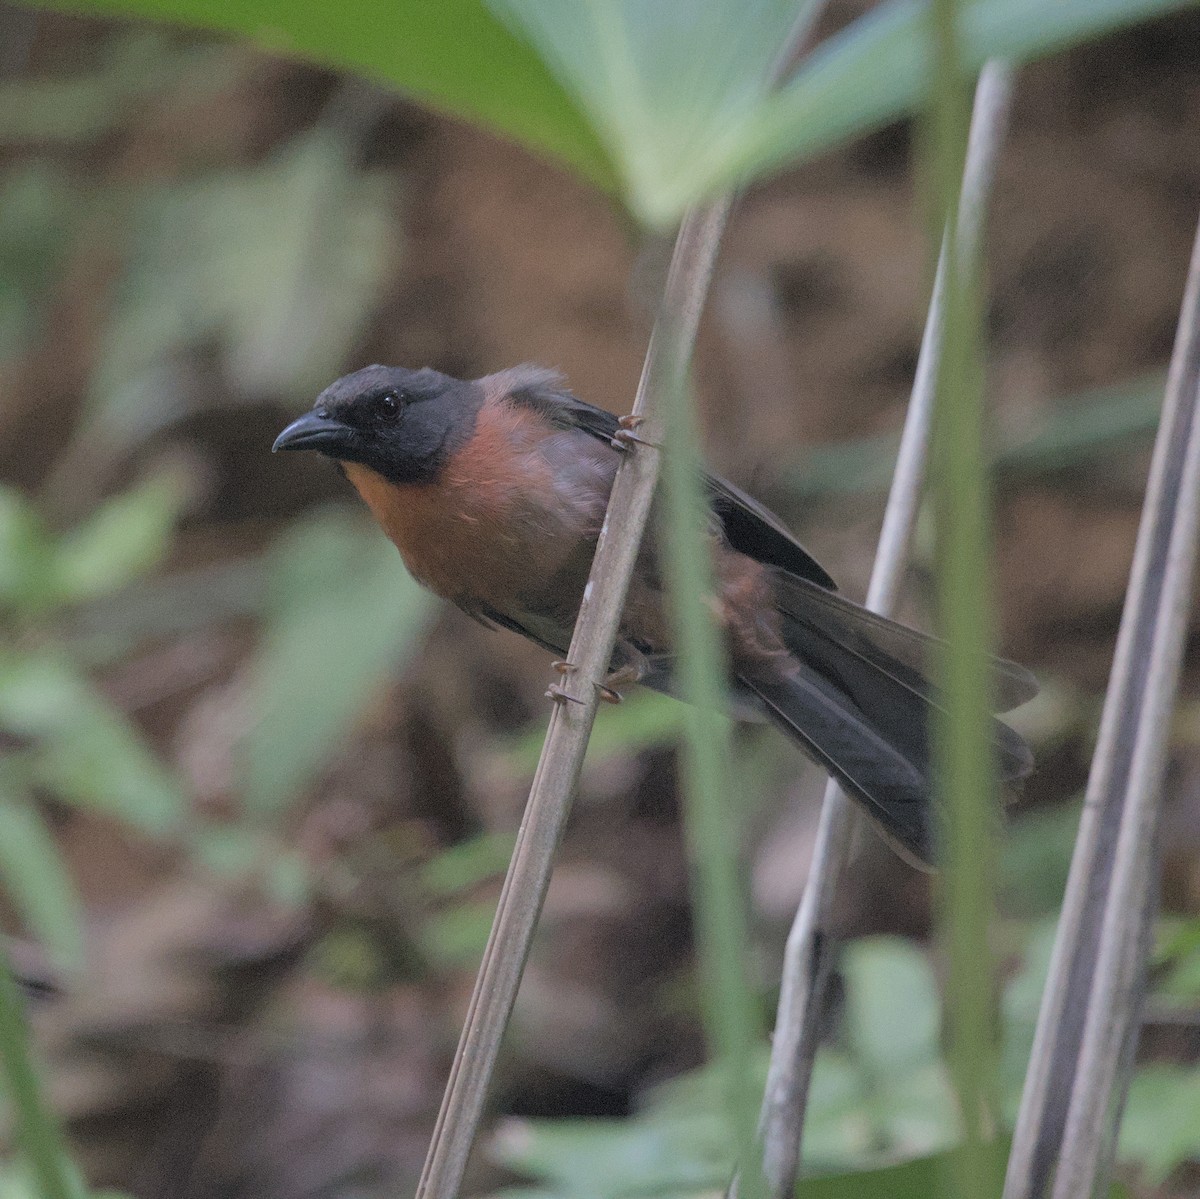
(809, 946)
(524, 890)
(37, 1129)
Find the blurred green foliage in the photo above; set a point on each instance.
(206, 265)
(1076, 433)
(66, 739)
(661, 103)
(341, 615)
(667, 102)
(880, 1095)
(882, 1113)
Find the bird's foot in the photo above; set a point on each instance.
(560, 696)
(625, 438)
(563, 667)
(631, 672)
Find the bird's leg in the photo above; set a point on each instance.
(632, 671)
(625, 438)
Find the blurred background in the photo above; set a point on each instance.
(259, 791)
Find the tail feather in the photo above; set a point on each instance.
(893, 647)
(836, 734)
(894, 697)
(856, 697)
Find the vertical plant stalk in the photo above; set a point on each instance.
(1081, 1054)
(964, 773)
(557, 774)
(726, 999)
(37, 1129)
(809, 946)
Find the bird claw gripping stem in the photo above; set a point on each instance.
(555, 691)
(625, 438)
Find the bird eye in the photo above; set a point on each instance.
(388, 405)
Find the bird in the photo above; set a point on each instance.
(494, 491)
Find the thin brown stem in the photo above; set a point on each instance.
(557, 774)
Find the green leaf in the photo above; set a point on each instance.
(123, 540)
(455, 939)
(87, 752)
(664, 102)
(52, 1174)
(611, 1159)
(454, 55)
(1161, 1126)
(1178, 957)
(34, 874)
(892, 1005)
(671, 88)
(343, 616)
(26, 556)
(909, 1180)
(1035, 858)
(467, 864)
(878, 69)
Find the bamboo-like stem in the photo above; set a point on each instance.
(808, 952)
(1085, 1024)
(554, 783)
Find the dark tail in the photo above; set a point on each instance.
(859, 701)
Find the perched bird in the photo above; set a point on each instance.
(494, 491)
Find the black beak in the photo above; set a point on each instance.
(313, 431)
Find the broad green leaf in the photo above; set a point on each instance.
(878, 69)
(1178, 959)
(455, 939)
(343, 615)
(609, 1159)
(87, 751)
(33, 872)
(123, 540)
(672, 89)
(452, 54)
(903, 1105)
(1035, 857)
(666, 101)
(892, 1005)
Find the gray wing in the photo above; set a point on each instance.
(750, 528)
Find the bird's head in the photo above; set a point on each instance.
(402, 424)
